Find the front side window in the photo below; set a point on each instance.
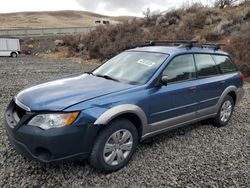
(181, 68)
(224, 63)
(205, 65)
(132, 67)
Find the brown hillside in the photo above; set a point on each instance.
(53, 19)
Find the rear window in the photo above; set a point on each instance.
(205, 65)
(224, 63)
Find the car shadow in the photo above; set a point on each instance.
(185, 131)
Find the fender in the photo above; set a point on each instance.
(224, 94)
(110, 114)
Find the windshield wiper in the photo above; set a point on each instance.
(107, 77)
(89, 73)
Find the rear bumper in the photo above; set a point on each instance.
(240, 92)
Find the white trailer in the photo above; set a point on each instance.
(9, 47)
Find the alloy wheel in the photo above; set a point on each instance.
(118, 147)
(226, 111)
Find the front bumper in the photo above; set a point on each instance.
(53, 145)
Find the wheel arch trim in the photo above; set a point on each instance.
(224, 94)
(116, 111)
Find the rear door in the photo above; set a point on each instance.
(211, 81)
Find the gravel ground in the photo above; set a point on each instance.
(198, 155)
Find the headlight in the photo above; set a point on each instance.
(48, 121)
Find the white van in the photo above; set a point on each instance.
(9, 47)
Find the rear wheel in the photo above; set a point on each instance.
(114, 146)
(13, 54)
(225, 112)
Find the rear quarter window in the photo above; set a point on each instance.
(225, 64)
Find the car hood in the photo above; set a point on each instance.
(60, 94)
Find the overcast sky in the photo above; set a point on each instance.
(108, 7)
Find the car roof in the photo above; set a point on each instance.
(175, 50)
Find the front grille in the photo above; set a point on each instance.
(18, 113)
(14, 114)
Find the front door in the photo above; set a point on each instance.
(177, 102)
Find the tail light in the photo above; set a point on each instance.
(242, 76)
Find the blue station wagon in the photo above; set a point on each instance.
(102, 115)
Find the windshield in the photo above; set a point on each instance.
(131, 67)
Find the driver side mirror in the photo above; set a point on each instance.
(163, 81)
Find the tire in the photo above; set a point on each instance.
(222, 120)
(107, 160)
(13, 54)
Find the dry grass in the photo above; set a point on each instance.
(239, 47)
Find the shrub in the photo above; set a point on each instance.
(105, 42)
(26, 50)
(239, 47)
(161, 33)
(225, 3)
(196, 7)
(150, 17)
(209, 21)
(213, 36)
(72, 42)
(216, 19)
(160, 20)
(192, 20)
(173, 17)
(223, 27)
(29, 46)
(246, 13)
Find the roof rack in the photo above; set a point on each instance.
(210, 45)
(187, 43)
(182, 43)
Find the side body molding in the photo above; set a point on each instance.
(110, 114)
(159, 127)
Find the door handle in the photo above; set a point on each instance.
(222, 82)
(192, 88)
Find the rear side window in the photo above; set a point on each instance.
(205, 65)
(181, 68)
(224, 63)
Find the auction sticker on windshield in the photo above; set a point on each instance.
(146, 62)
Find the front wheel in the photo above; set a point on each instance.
(225, 112)
(114, 146)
